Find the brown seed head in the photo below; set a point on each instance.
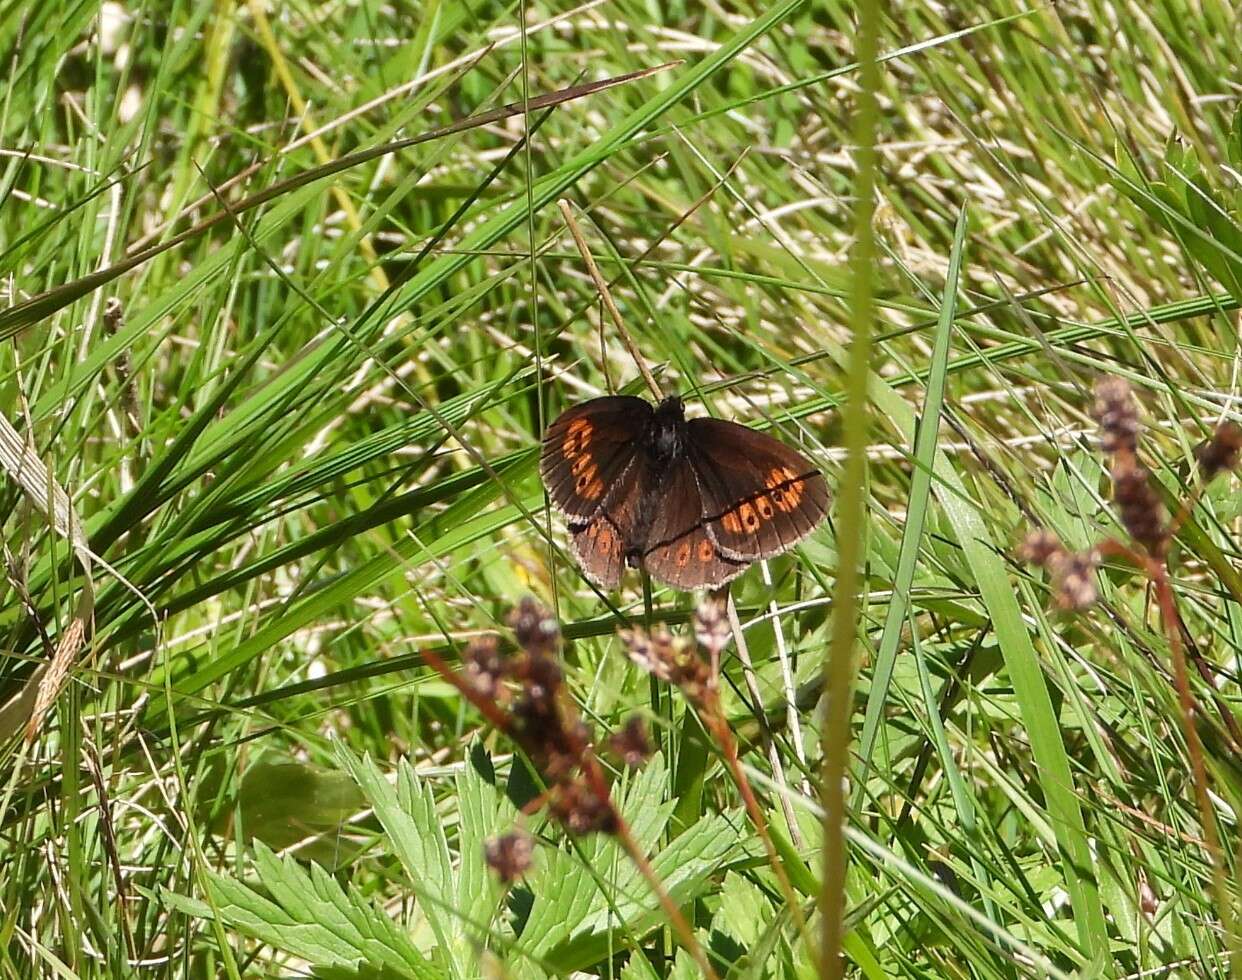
(1221, 452)
(540, 716)
(484, 666)
(542, 677)
(510, 855)
(1142, 513)
(537, 716)
(711, 627)
(1073, 580)
(651, 651)
(534, 627)
(631, 744)
(561, 750)
(1040, 547)
(693, 676)
(674, 661)
(580, 811)
(1115, 410)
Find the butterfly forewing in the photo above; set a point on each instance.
(679, 551)
(759, 496)
(586, 450)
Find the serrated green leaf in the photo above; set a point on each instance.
(483, 812)
(743, 911)
(683, 867)
(456, 892)
(310, 916)
(407, 813)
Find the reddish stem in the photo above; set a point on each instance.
(487, 706)
(1181, 678)
(714, 722)
(598, 784)
(1157, 573)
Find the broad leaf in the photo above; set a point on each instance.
(308, 915)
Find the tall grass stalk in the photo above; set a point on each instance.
(851, 505)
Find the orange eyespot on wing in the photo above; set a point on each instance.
(577, 437)
(692, 562)
(785, 488)
(601, 542)
(587, 484)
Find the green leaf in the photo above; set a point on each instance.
(484, 812)
(456, 892)
(744, 911)
(408, 815)
(566, 883)
(925, 447)
(684, 867)
(285, 802)
(310, 916)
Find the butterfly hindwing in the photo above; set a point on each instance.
(600, 542)
(586, 450)
(759, 496)
(679, 551)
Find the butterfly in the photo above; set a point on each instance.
(693, 501)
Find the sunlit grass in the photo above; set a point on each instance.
(306, 437)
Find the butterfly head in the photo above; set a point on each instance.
(668, 428)
(671, 409)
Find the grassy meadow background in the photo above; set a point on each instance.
(249, 477)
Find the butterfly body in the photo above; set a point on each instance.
(694, 501)
(663, 443)
(666, 432)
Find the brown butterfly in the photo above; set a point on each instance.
(694, 502)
